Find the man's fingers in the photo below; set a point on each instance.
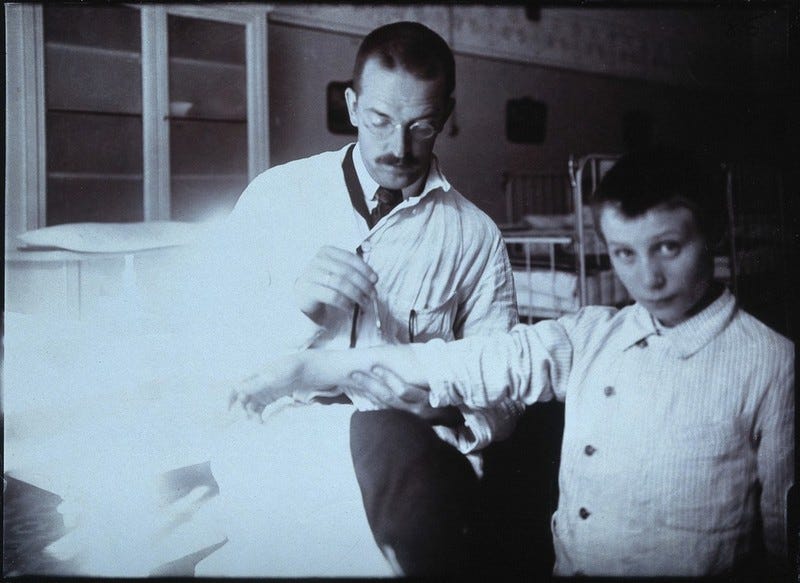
(341, 294)
(399, 387)
(336, 278)
(373, 388)
(330, 256)
(390, 391)
(332, 267)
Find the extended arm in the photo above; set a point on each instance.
(529, 364)
(327, 369)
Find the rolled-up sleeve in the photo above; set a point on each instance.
(529, 364)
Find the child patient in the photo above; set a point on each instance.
(678, 445)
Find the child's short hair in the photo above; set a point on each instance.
(647, 178)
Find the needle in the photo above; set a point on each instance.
(360, 253)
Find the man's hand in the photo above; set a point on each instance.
(334, 278)
(387, 390)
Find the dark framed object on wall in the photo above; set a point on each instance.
(338, 118)
(525, 121)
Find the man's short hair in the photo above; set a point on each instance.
(411, 46)
(644, 179)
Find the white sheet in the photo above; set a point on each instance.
(553, 290)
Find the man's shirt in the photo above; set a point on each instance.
(442, 266)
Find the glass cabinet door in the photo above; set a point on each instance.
(208, 116)
(127, 113)
(93, 113)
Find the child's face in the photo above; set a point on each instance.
(661, 258)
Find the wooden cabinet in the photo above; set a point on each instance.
(93, 114)
(208, 116)
(124, 113)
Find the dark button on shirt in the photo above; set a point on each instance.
(589, 450)
(608, 391)
(583, 513)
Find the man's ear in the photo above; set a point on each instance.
(351, 97)
(451, 105)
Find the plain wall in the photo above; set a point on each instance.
(584, 113)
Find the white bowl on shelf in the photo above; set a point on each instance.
(179, 108)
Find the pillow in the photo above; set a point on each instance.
(110, 237)
(558, 221)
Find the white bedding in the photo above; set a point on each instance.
(553, 290)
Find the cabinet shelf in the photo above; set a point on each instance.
(94, 112)
(94, 50)
(93, 176)
(207, 63)
(205, 119)
(211, 176)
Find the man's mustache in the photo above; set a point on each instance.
(391, 160)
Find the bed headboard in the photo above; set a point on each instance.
(542, 193)
(529, 193)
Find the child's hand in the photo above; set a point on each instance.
(277, 379)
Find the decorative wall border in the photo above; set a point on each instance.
(665, 47)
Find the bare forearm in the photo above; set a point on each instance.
(333, 367)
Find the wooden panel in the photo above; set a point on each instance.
(91, 80)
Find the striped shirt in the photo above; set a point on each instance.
(668, 433)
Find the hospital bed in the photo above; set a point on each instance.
(558, 260)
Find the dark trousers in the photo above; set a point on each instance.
(423, 499)
(419, 492)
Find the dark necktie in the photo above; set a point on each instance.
(387, 200)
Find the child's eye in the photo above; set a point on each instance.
(625, 255)
(669, 248)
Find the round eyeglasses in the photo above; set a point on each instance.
(383, 128)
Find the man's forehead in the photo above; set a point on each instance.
(377, 78)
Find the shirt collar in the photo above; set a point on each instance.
(688, 337)
(636, 327)
(434, 180)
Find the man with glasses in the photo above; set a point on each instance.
(371, 245)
